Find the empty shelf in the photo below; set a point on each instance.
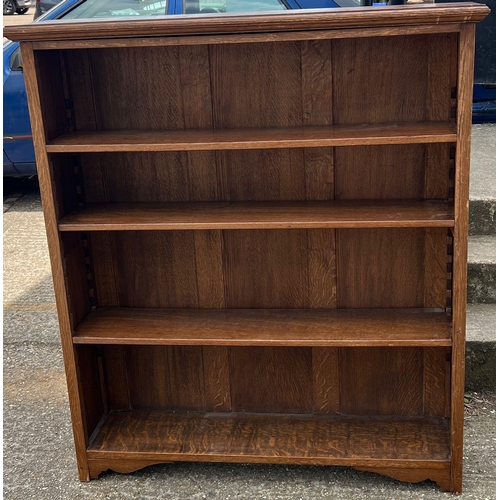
(259, 215)
(266, 327)
(332, 440)
(256, 138)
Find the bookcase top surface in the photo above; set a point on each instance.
(293, 20)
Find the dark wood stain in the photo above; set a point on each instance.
(253, 221)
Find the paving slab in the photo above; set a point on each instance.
(480, 353)
(482, 209)
(481, 270)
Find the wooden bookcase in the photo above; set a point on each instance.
(258, 233)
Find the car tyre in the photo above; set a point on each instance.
(22, 11)
(9, 7)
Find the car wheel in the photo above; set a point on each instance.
(22, 11)
(8, 7)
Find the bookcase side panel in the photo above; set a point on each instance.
(49, 67)
(35, 72)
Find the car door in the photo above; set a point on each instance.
(18, 141)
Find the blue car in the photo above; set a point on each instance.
(18, 152)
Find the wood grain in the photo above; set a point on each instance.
(374, 172)
(146, 364)
(56, 260)
(104, 268)
(217, 378)
(124, 466)
(435, 264)
(273, 439)
(245, 138)
(321, 267)
(261, 22)
(325, 371)
(258, 215)
(164, 276)
(437, 382)
(186, 378)
(51, 94)
(246, 37)
(262, 175)
(115, 375)
(90, 386)
(380, 268)
(301, 327)
(283, 373)
(460, 235)
(209, 269)
(266, 269)
(77, 283)
(441, 476)
(151, 177)
(381, 381)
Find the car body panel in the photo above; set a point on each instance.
(17, 141)
(8, 166)
(43, 6)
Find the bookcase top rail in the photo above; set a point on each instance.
(268, 22)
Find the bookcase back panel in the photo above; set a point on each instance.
(271, 269)
(392, 268)
(272, 84)
(404, 78)
(369, 172)
(392, 172)
(381, 381)
(271, 380)
(155, 269)
(149, 177)
(348, 381)
(236, 269)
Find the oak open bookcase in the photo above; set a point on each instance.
(258, 233)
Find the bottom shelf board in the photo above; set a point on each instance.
(273, 438)
(266, 327)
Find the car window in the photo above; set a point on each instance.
(110, 8)
(214, 6)
(92, 9)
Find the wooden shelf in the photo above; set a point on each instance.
(266, 327)
(259, 215)
(295, 439)
(257, 138)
